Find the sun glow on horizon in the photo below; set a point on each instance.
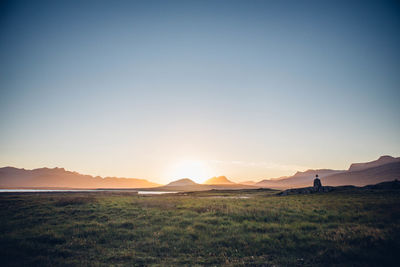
(196, 170)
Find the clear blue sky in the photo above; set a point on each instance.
(252, 89)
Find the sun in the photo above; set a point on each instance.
(196, 170)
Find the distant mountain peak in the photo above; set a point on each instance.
(182, 182)
(380, 161)
(385, 157)
(218, 180)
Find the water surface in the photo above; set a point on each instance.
(155, 192)
(82, 190)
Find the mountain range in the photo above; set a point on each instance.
(385, 168)
(11, 177)
(186, 184)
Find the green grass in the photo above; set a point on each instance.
(349, 228)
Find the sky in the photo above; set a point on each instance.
(164, 89)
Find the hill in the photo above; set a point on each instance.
(182, 182)
(11, 177)
(218, 180)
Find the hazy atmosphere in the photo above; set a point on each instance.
(199, 133)
(162, 90)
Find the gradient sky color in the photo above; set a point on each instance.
(252, 89)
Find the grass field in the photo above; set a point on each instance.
(348, 228)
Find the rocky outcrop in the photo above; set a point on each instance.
(307, 190)
(317, 188)
(393, 185)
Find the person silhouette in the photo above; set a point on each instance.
(317, 183)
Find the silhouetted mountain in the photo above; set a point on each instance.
(386, 168)
(378, 174)
(381, 161)
(299, 179)
(58, 177)
(188, 185)
(218, 180)
(182, 182)
(248, 183)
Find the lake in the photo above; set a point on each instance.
(82, 190)
(155, 192)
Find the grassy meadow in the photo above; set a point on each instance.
(233, 228)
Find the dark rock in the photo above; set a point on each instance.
(317, 188)
(385, 185)
(307, 190)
